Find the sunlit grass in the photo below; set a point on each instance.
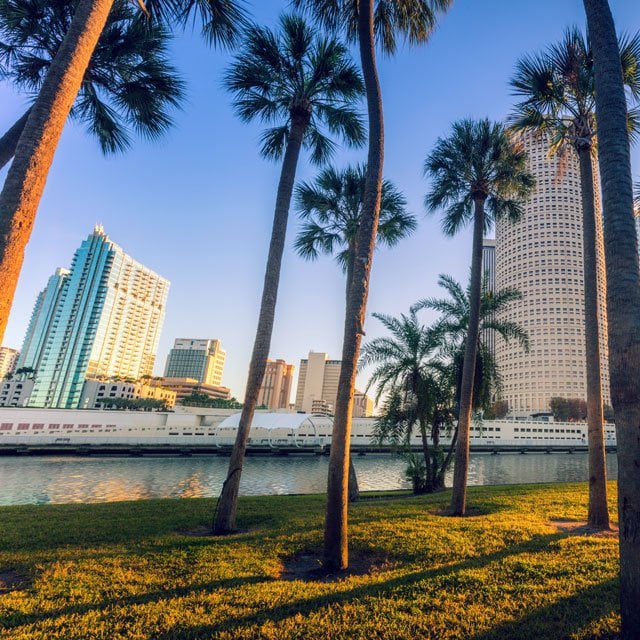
(128, 570)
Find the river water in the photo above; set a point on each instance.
(40, 480)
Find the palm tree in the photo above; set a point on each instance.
(331, 207)
(300, 84)
(453, 324)
(623, 295)
(478, 176)
(367, 22)
(409, 369)
(558, 101)
(636, 199)
(128, 84)
(28, 173)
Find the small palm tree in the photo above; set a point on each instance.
(623, 294)
(367, 22)
(128, 85)
(455, 311)
(636, 199)
(27, 175)
(557, 88)
(478, 175)
(409, 369)
(301, 84)
(331, 207)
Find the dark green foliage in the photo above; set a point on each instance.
(203, 400)
(568, 409)
(133, 404)
(497, 410)
(130, 85)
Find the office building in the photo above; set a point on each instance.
(8, 358)
(185, 387)
(97, 393)
(362, 405)
(200, 359)
(102, 318)
(275, 392)
(317, 380)
(16, 392)
(489, 281)
(541, 256)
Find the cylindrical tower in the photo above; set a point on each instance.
(541, 255)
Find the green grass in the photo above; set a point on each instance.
(127, 570)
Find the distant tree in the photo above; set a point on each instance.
(205, 401)
(497, 410)
(609, 414)
(28, 372)
(568, 409)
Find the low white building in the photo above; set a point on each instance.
(15, 392)
(97, 393)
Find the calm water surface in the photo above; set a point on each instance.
(68, 479)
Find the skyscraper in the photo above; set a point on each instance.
(541, 256)
(489, 275)
(317, 380)
(102, 318)
(8, 359)
(199, 359)
(275, 392)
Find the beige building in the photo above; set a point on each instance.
(362, 405)
(201, 359)
(275, 392)
(8, 358)
(317, 380)
(184, 387)
(541, 255)
(96, 393)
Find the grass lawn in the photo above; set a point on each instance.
(135, 570)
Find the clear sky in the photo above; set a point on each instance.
(197, 206)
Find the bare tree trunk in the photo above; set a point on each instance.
(10, 139)
(336, 554)
(28, 173)
(623, 297)
(459, 496)
(226, 508)
(598, 510)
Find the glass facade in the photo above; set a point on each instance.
(106, 321)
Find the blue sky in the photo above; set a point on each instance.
(197, 206)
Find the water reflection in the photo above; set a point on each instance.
(54, 480)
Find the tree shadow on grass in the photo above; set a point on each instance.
(560, 619)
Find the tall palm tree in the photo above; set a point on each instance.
(301, 84)
(558, 101)
(331, 207)
(129, 83)
(408, 367)
(623, 295)
(34, 153)
(367, 22)
(478, 175)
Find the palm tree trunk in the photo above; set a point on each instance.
(623, 297)
(354, 489)
(27, 175)
(226, 508)
(459, 497)
(447, 460)
(427, 457)
(336, 555)
(598, 510)
(9, 140)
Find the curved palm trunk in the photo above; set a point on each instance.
(459, 497)
(225, 515)
(27, 175)
(10, 139)
(427, 457)
(623, 297)
(598, 510)
(447, 460)
(336, 555)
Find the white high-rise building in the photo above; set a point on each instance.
(100, 319)
(489, 280)
(541, 255)
(317, 381)
(8, 359)
(200, 359)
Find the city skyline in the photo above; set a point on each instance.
(143, 199)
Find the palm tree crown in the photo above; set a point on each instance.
(557, 88)
(129, 84)
(478, 161)
(332, 209)
(293, 74)
(413, 20)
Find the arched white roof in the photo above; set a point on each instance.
(274, 420)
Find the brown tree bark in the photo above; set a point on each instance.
(10, 139)
(598, 510)
(354, 489)
(28, 173)
(226, 508)
(623, 296)
(461, 468)
(336, 554)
